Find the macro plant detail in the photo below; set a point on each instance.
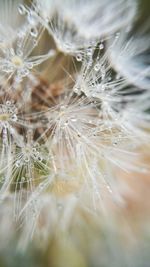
(74, 109)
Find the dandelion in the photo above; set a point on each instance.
(74, 112)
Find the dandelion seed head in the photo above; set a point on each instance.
(8, 112)
(74, 108)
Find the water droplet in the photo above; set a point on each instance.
(73, 119)
(117, 35)
(39, 158)
(19, 52)
(34, 32)
(76, 90)
(79, 57)
(30, 65)
(97, 67)
(94, 95)
(21, 9)
(101, 46)
(34, 150)
(89, 52)
(8, 103)
(18, 163)
(24, 72)
(109, 189)
(66, 123)
(27, 159)
(35, 42)
(62, 107)
(14, 117)
(115, 143)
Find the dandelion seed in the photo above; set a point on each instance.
(8, 116)
(130, 56)
(17, 62)
(71, 34)
(10, 22)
